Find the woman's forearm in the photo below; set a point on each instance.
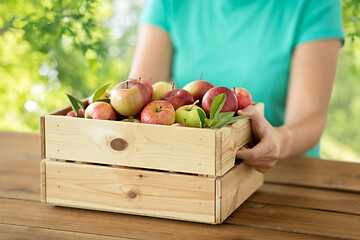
(298, 138)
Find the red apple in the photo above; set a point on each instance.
(198, 88)
(129, 97)
(178, 125)
(72, 113)
(158, 112)
(178, 97)
(230, 104)
(100, 110)
(147, 84)
(243, 97)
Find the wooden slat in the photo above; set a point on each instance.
(236, 186)
(297, 220)
(161, 194)
(313, 198)
(313, 172)
(148, 146)
(11, 232)
(43, 180)
(35, 214)
(42, 137)
(232, 139)
(19, 165)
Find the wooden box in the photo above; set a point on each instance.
(163, 171)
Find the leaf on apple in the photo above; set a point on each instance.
(217, 105)
(202, 118)
(107, 100)
(76, 104)
(228, 120)
(100, 92)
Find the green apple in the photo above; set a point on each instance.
(160, 89)
(188, 115)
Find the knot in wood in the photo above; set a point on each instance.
(133, 193)
(118, 144)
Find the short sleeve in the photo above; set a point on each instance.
(156, 12)
(321, 19)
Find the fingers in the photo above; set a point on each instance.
(266, 152)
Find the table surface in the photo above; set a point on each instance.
(302, 198)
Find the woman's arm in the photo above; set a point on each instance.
(312, 76)
(153, 54)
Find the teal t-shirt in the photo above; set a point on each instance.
(243, 43)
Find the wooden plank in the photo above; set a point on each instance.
(42, 137)
(311, 198)
(19, 165)
(148, 146)
(11, 232)
(36, 214)
(314, 172)
(236, 186)
(232, 139)
(43, 180)
(297, 220)
(150, 193)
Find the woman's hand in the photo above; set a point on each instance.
(266, 152)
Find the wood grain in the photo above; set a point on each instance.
(149, 146)
(150, 193)
(232, 139)
(236, 186)
(43, 180)
(311, 198)
(40, 215)
(297, 220)
(11, 232)
(313, 172)
(19, 165)
(42, 137)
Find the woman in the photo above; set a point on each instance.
(283, 51)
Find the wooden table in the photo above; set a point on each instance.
(302, 199)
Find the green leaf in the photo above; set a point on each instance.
(227, 121)
(217, 105)
(74, 103)
(223, 115)
(222, 123)
(104, 100)
(202, 117)
(100, 91)
(81, 104)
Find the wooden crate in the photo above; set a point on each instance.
(154, 170)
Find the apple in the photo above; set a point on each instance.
(135, 120)
(178, 97)
(160, 89)
(72, 113)
(158, 112)
(198, 88)
(243, 96)
(147, 84)
(230, 104)
(188, 115)
(105, 95)
(129, 97)
(100, 110)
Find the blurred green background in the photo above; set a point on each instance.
(51, 47)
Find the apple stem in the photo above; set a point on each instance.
(201, 74)
(234, 90)
(150, 79)
(173, 86)
(193, 104)
(184, 122)
(159, 109)
(127, 84)
(139, 79)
